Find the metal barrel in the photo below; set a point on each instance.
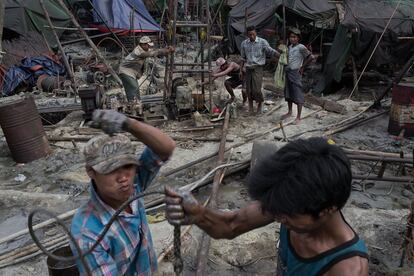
(59, 268)
(402, 110)
(23, 130)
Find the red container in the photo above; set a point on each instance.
(402, 110)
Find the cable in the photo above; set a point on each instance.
(81, 254)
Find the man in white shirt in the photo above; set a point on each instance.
(253, 52)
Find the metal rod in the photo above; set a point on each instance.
(191, 71)
(92, 36)
(90, 42)
(389, 178)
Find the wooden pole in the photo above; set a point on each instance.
(284, 21)
(65, 59)
(205, 243)
(90, 42)
(2, 6)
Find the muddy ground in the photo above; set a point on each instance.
(377, 212)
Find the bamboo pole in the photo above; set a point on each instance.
(37, 253)
(24, 251)
(38, 226)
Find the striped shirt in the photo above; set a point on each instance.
(254, 53)
(127, 247)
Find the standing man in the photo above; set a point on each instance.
(298, 58)
(303, 186)
(132, 67)
(117, 173)
(234, 71)
(253, 53)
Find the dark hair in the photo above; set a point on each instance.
(303, 177)
(251, 28)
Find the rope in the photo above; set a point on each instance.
(375, 48)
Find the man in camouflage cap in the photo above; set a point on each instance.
(117, 173)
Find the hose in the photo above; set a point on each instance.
(178, 264)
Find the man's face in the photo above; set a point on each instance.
(294, 38)
(252, 35)
(145, 46)
(302, 223)
(115, 187)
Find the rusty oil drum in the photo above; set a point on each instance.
(23, 130)
(62, 268)
(402, 110)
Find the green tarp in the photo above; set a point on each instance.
(23, 16)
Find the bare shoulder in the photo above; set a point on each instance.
(354, 266)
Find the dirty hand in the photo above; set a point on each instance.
(109, 121)
(182, 208)
(170, 49)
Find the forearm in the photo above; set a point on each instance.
(307, 61)
(155, 139)
(276, 53)
(230, 224)
(217, 224)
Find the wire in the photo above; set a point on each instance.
(81, 254)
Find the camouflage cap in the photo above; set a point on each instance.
(106, 153)
(146, 40)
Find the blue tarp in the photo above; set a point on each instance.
(21, 74)
(117, 14)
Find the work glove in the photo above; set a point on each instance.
(182, 208)
(110, 121)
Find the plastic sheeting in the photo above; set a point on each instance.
(117, 14)
(23, 16)
(22, 74)
(373, 15)
(368, 20)
(259, 13)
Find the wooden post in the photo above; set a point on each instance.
(205, 242)
(65, 59)
(90, 42)
(2, 6)
(284, 21)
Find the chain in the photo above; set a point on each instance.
(178, 261)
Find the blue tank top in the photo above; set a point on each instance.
(291, 264)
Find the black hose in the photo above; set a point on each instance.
(80, 254)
